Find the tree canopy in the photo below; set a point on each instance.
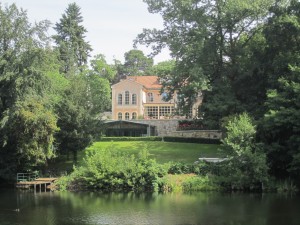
(74, 50)
(244, 57)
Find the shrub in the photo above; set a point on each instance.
(152, 138)
(180, 168)
(200, 183)
(246, 167)
(191, 125)
(192, 140)
(116, 171)
(187, 182)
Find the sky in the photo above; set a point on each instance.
(111, 25)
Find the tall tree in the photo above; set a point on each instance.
(207, 39)
(280, 128)
(74, 50)
(136, 63)
(78, 115)
(85, 98)
(102, 68)
(27, 121)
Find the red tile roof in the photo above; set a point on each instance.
(149, 82)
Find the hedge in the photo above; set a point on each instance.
(192, 140)
(167, 139)
(151, 138)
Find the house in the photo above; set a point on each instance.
(139, 97)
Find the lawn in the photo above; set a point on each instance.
(163, 151)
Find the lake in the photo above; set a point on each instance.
(48, 208)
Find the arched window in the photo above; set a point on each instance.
(126, 97)
(120, 99)
(134, 115)
(119, 116)
(127, 116)
(150, 96)
(133, 99)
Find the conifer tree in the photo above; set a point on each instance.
(73, 49)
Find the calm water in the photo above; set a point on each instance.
(198, 208)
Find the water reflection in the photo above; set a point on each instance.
(129, 208)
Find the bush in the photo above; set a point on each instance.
(200, 183)
(191, 125)
(116, 171)
(192, 140)
(181, 168)
(246, 167)
(187, 182)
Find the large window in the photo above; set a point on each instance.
(134, 115)
(133, 99)
(126, 97)
(119, 99)
(152, 112)
(119, 116)
(166, 111)
(159, 112)
(127, 116)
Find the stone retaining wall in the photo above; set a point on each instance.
(169, 128)
(163, 127)
(211, 134)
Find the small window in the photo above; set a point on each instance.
(119, 116)
(127, 116)
(134, 115)
(150, 96)
(133, 100)
(120, 99)
(126, 97)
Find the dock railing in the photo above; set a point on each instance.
(27, 176)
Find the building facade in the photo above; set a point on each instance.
(138, 97)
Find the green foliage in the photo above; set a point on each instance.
(246, 166)
(187, 183)
(210, 40)
(164, 69)
(181, 168)
(117, 171)
(192, 140)
(280, 127)
(73, 49)
(28, 136)
(102, 69)
(27, 121)
(97, 95)
(136, 63)
(200, 183)
(286, 186)
(152, 138)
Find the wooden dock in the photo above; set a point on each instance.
(37, 184)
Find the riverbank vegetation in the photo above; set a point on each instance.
(244, 167)
(241, 56)
(162, 152)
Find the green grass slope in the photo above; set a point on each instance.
(163, 151)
